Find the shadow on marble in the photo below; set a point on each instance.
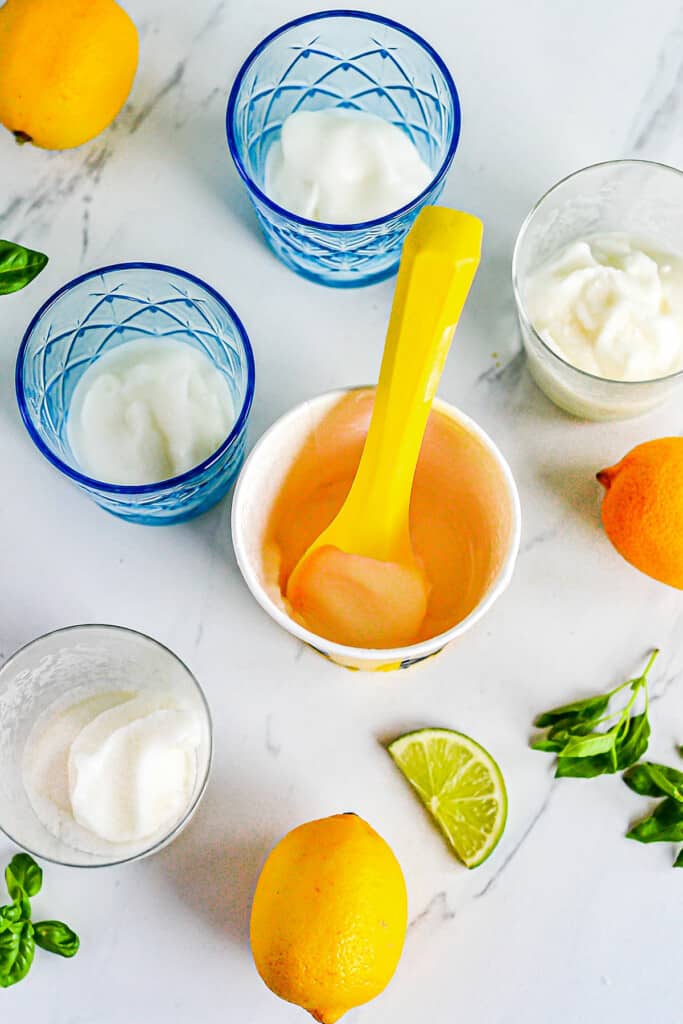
(505, 373)
(214, 873)
(201, 144)
(402, 726)
(578, 490)
(492, 298)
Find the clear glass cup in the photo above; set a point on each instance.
(352, 60)
(84, 660)
(96, 313)
(635, 197)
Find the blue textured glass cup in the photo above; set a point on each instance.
(356, 61)
(98, 312)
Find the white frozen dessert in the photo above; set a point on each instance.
(611, 306)
(147, 411)
(343, 166)
(117, 766)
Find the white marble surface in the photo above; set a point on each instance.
(568, 922)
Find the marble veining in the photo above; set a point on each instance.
(567, 921)
(661, 105)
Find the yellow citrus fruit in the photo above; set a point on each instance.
(329, 916)
(66, 68)
(643, 508)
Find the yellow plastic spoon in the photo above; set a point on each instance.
(337, 589)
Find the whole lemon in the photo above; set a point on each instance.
(329, 916)
(66, 68)
(643, 508)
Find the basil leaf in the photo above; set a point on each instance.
(634, 742)
(678, 863)
(664, 825)
(18, 266)
(20, 954)
(650, 779)
(23, 877)
(588, 746)
(584, 757)
(9, 915)
(57, 937)
(9, 948)
(557, 738)
(548, 745)
(579, 711)
(585, 767)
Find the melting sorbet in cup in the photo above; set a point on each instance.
(54, 694)
(349, 61)
(638, 200)
(465, 517)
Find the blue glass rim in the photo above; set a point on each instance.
(160, 485)
(324, 225)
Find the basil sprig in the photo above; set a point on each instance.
(665, 823)
(589, 739)
(18, 935)
(18, 266)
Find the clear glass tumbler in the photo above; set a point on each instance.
(633, 197)
(81, 661)
(357, 61)
(98, 312)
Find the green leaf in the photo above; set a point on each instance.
(589, 746)
(18, 266)
(678, 863)
(23, 877)
(9, 946)
(634, 742)
(18, 935)
(584, 767)
(649, 779)
(548, 745)
(9, 915)
(664, 825)
(557, 738)
(577, 732)
(13, 916)
(18, 955)
(57, 937)
(578, 711)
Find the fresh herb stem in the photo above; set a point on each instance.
(650, 663)
(590, 738)
(640, 683)
(576, 734)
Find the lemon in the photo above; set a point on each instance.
(329, 916)
(460, 785)
(66, 68)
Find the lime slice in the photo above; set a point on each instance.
(460, 785)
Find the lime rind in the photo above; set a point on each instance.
(459, 784)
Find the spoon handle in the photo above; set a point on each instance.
(438, 263)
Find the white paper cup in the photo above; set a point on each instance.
(259, 484)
